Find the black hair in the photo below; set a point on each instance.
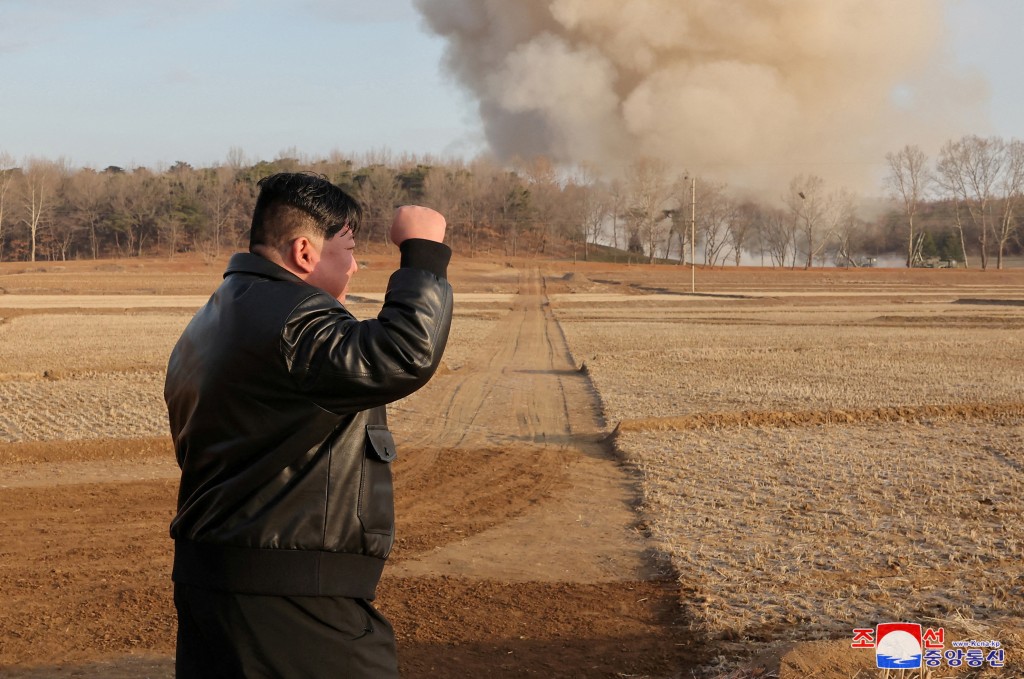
(292, 204)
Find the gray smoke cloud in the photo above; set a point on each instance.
(752, 91)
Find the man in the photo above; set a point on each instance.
(276, 396)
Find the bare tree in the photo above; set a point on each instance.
(617, 198)
(61, 229)
(650, 202)
(910, 181)
(506, 205)
(481, 174)
(220, 199)
(545, 191)
(573, 224)
(184, 218)
(1010, 187)
(87, 197)
(716, 212)
(40, 181)
(744, 227)
(236, 159)
(236, 228)
(779, 236)
(60, 235)
(844, 225)
(678, 231)
(947, 178)
(588, 210)
(853, 237)
(380, 194)
(969, 169)
(444, 189)
(139, 200)
(808, 208)
(681, 213)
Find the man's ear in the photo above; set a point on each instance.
(303, 255)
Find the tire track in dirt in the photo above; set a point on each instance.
(511, 391)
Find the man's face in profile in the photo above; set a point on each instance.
(337, 264)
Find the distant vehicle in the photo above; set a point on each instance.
(936, 263)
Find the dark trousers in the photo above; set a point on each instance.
(222, 635)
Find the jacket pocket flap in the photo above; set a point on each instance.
(382, 444)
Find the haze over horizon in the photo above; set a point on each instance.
(800, 88)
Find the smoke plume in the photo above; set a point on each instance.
(750, 91)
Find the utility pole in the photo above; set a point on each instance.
(693, 234)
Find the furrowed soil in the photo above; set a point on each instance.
(527, 540)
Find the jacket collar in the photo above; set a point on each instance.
(246, 262)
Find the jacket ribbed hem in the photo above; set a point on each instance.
(418, 253)
(277, 572)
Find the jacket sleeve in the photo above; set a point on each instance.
(345, 365)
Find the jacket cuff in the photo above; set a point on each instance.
(431, 256)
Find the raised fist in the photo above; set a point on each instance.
(416, 221)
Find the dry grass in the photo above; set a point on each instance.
(138, 276)
(66, 376)
(84, 376)
(667, 369)
(102, 405)
(809, 532)
(810, 469)
(73, 343)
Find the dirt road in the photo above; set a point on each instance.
(518, 555)
(516, 523)
(521, 410)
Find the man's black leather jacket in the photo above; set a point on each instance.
(276, 396)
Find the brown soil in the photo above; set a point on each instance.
(520, 551)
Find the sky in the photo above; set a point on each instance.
(988, 37)
(142, 83)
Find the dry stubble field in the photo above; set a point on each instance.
(812, 452)
(817, 458)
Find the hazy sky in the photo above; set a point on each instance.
(111, 82)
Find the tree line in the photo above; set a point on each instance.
(960, 207)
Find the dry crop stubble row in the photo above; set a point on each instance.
(58, 343)
(72, 376)
(790, 528)
(805, 284)
(645, 368)
(809, 532)
(101, 405)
